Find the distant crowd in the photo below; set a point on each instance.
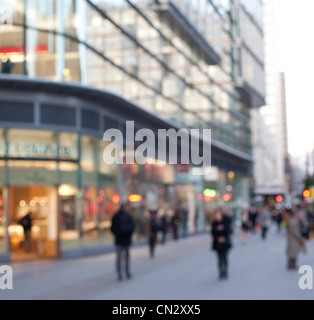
(157, 226)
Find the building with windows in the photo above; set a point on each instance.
(272, 169)
(73, 69)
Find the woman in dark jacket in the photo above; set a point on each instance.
(221, 242)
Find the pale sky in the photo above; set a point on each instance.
(296, 58)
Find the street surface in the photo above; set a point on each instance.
(183, 270)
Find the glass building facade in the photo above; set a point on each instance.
(198, 63)
(136, 49)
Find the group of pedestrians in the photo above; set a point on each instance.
(252, 220)
(154, 225)
(255, 219)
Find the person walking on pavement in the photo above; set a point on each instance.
(253, 214)
(153, 232)
(175, 224)
(163, 222)
(265, 221)
(279, 218)
(295, 242)
(221, 235)
(184, 214)
(122, 227)
(245, 226)
(26, 223)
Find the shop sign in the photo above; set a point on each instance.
(37, 150)
(33, 177)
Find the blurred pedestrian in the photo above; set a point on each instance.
(163, 223)
(153, 232)
(26, 223)
(221, 234)
(253, 215)
(122, 227)
(196, 220)
(227, 219)
(279, 218)
(302, 216)
(295, 242)
(184, 216)
(175, 225)
(265, 221)
(245, 226)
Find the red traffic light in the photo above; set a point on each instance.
(279, 199)
(306, 194)
(116, 199)
(227, 197)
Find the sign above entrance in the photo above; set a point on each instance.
(38, 150)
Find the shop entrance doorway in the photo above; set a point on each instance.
(33, 222)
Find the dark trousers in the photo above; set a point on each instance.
(292, 264)
(123, 260)
(184, 229)
(152, 245)
(223, 262)
(264, 232)
(175, 233)
(163, 237)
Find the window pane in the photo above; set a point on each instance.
(3, 247)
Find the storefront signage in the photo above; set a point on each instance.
(37, 150)
(33, 177)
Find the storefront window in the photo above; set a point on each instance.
(90, 151)
(108, 200)
(68, 146)
(3, 247)
(104, 167)
(42, 54)
(68, 151)
(90, 212)
(99, 206)
(2, 162)
(11, 40)
(12, 54)
(2, 144)
(69, 233)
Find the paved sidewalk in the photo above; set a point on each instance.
(183, 270)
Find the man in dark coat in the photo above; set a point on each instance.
(221, 233)
(26, 223)
(122, 227)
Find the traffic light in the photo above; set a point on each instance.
(306, 194)
(279, 199)
(227, 197)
